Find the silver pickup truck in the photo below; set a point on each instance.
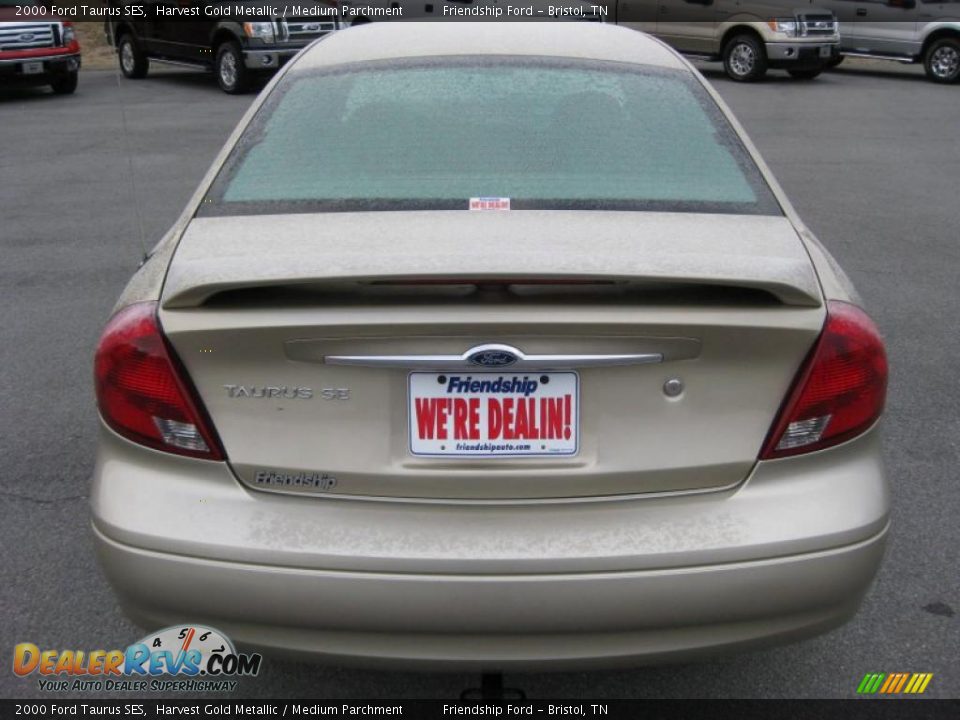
(911, 31)
(748, 36)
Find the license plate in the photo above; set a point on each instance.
(32, 68)
(826, 52)
(485, 415)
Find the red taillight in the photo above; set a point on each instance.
(839, 391)
(142, 390)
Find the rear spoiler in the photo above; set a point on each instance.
(198, 294)
(218, 255)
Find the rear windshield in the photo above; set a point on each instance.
(543, 133)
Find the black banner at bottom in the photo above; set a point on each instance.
(609, 709)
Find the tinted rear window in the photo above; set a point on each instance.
(547, 134)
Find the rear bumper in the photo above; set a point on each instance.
(502, 621)
(789, 554)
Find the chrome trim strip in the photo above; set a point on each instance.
(523, 361)
(285, 52)
(563, 500)
(41, 58)
(180, 63)
(898, 58)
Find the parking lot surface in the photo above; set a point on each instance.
(868, 154)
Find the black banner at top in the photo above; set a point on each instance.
(634, 12)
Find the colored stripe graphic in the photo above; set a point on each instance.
(894, 683)
(891, 680)
(903, 680)
(918, 683)
(870, 683)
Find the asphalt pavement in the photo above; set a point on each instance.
(869, 156)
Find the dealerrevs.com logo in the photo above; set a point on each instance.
(187, 658)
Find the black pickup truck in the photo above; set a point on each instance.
(214, 37)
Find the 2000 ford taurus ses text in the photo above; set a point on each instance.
(507, 400)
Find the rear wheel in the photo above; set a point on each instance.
(232, 74)
(133, 62)
(805, 74)
(745, 59)
(65, 84)
(942, 60)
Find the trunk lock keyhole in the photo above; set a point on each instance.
(673, 387)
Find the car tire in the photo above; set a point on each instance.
(65, 84)
(805, 74)
(942, 60)
(745, 59)
(133, 61)
(232, 74)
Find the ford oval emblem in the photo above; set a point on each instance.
(492, 358)
(26, 37)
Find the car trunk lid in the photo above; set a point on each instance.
(260, 308)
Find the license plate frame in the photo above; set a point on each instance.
(32, 68)
(484, 432)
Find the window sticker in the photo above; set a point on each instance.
(489, 203)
